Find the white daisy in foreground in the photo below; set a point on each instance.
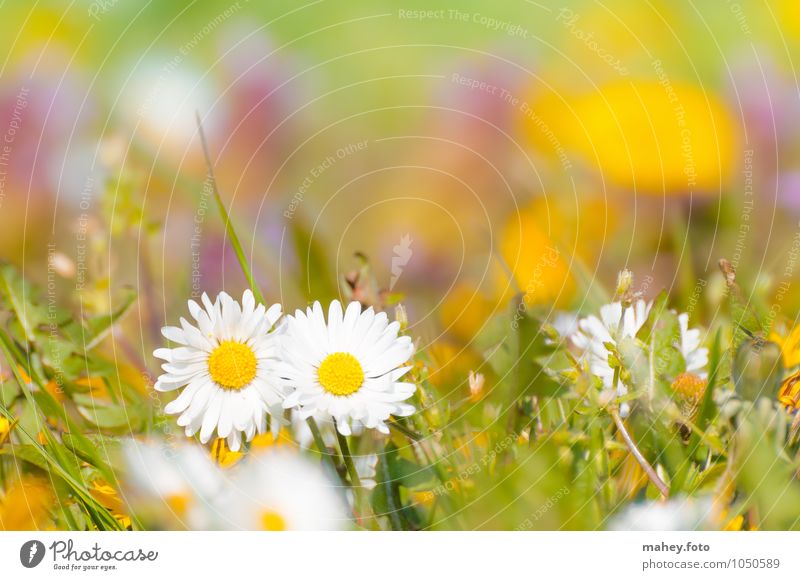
(615, 324)
(280, 490)
(226, 364)
(676, 515)
(348, 367)
(170, 487)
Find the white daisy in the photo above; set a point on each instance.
(226, 364)
(170, 487)
(366, 467)
(676, 515)
(348, 368)
(696, 356)
(278, 490)
(614, 325)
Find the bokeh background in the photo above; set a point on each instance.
(467, 150)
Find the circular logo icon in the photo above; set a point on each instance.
(31, 553)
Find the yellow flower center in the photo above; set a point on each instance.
(232, 364)
(340, 374)
(272, 521)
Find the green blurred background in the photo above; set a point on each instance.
(452, 144)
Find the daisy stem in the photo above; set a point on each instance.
(648, 469)
(344, 448)
(405, 430)
(320, 443)
(229, 229)
(360, 503)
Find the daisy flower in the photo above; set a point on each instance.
(348, 367)
(615, 324)
(225, 365)
(170, 487)
(279, 490)
(676, 515)
(695, 355)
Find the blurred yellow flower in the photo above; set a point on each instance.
(539, 268)
(5, 430)
(26, 505)
(222, 454)
(735, 525)
(452, 364)
(425, 497)
(789, 393)
(632, 477)
(465, 310)
(790, 346)
(55, 390)
(788, 12)
(655, 136)
(108, 497)
(265, 440)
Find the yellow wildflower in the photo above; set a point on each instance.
(26, 505)
(5, 429)
(790, 346)
(539, 268)
(655, 136)
(108, 497)
(222, 454)
(465, 311)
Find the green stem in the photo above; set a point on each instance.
(344, 448)
(360, 502)
(648, 469)
(100, 515)
(230, 230)
(323, 449)
(394, 424)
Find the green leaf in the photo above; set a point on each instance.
(764, 474)
(746, 322)
(757, 369)
(27, 453)
(99, 326)
(708, 409)
(386, 496)
(229, 229)
(105, 414)
(18, 297)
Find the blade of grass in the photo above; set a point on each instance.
(230, 230)
(323, 449)
(96, 511)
